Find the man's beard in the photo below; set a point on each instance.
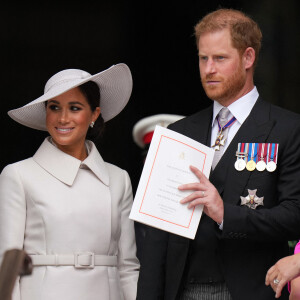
(227, 89)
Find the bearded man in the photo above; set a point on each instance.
(252, 197)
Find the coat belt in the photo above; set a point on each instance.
(80, 260)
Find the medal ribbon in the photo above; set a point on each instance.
(262, 153)
(227, 125)
(250, 150)
(254, 152)
(240, 151)
(270, 155)
(276, 153)
(272, 152)
(259, 152)
(241, 154)
(243, 148)
(239, 147)
(247, 151)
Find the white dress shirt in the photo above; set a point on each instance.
(240, 109)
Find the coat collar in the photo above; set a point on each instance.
(65, 167)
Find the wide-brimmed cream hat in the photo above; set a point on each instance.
(115, 85)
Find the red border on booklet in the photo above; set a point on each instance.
(140, 210)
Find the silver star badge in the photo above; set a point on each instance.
(252, 201)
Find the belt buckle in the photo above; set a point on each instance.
(81, 266)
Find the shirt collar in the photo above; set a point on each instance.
(65, 167)
(240, 108)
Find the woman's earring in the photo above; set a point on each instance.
(92, 124)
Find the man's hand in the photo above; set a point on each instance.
(282, 272)
(204, 193)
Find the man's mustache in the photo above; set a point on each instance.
(211, 78)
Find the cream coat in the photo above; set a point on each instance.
(53, 203)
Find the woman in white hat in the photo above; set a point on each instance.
(65, 206)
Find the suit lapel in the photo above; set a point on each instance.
(255, 129)
(199, 127)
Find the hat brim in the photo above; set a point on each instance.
(148, 124)
(115, 85)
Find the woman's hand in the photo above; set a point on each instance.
(282, 272)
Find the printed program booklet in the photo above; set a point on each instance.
(157, 199)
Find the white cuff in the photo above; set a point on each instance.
(221, 225)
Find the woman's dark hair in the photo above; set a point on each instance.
(91, 92)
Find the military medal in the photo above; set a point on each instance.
(261, 165)
(240, 163)
(259, 156)
(271, 166)
(220, 140)
(252, 201)
(272, 157)
(250, 166)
